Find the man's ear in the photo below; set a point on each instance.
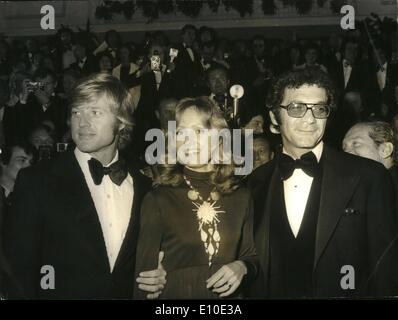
(274, 127)
(386, 150)
(157, 114)
(273, 118)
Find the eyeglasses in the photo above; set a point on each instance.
(298, 110)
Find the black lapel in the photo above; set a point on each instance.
(338, 185)
(71, 184)
(266, 194)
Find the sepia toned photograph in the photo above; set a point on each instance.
(205, 152)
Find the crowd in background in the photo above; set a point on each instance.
(37, 76)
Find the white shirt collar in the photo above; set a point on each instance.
(317, 151)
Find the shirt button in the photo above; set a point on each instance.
(110, 225)
(108, 196)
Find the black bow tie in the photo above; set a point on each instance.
(117, 171)
(347, 64)
(308, 163)
(380, 68)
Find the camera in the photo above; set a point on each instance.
(34, 85)
(62, 147)
(155, 62)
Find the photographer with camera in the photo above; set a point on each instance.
(39, 103)
(158, 81)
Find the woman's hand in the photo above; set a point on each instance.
(228, 278)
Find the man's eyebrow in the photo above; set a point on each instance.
(310, 103)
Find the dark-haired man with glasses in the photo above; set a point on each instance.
(326, 227)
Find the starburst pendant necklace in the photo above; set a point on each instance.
(207, 215)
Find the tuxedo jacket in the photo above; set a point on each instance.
(355, 226)
(356, 82)
(376, 96)
(54, 222)
(187, 71)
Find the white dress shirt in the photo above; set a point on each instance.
(381, 77)
(297, 189)
(113, 204)
(347, 72)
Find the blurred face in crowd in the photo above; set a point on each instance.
(206, 36)
(66, 38)
(256, 124)
(351, 52)
(218, 81)
(208, 52)
(105, 64)
(95, 128)
(301, 135)
(124, 54)
(41, 137)
(191, 119)
(189, 36)
(48, 89)
(79, 51)
(31, 45)
(240, 48)
(68, 82)
(261, 152)
(38, 59)
(258, 47)
(18, 160)
(166, 112)
(357, 141)
(311, 56)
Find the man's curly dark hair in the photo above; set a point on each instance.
(294, 80)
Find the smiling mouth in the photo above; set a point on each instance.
(86, 135)
(307, 131)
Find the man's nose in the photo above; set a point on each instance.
(309, 116)
(84, 121)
